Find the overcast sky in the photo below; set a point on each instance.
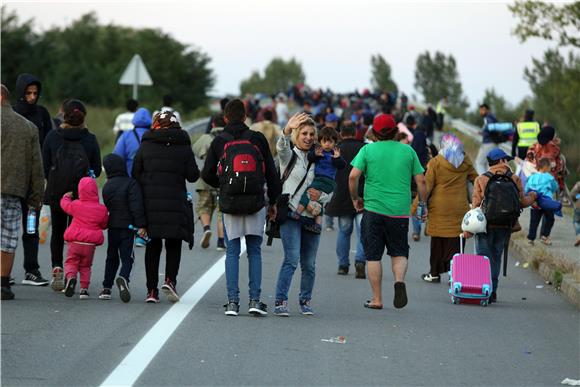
(333, 39)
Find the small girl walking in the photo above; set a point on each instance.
(83, 234)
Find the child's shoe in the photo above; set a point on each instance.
(84, 294)
(69, 289)
(123, 286)
(314, 208)
(105, 294)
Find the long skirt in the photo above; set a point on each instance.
(442, 250)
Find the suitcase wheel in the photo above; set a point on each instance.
(457, 287)
(483, 303)
(454, 300)
(485, 290)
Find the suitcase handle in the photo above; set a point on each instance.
(461, 244)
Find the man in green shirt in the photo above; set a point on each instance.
(388, 167)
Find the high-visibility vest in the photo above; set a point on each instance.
(440, 108)
(527, 133)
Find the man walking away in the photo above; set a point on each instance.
(22, 181)
(242, 199)
(387, 166)
(124, 121)
(487, 143)
(28, 92)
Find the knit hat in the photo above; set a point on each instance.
(165, 120)
(74, 112)
(546, 135)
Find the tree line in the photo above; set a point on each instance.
(86, 59)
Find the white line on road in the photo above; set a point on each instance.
(131, 367)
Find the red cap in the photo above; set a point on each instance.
(382, 121)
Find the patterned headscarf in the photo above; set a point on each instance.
(165, 120)
(452, 150)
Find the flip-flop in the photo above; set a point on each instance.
(372, 306)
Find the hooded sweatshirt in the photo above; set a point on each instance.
(89, 216)
(34, 113)
(130, 140)
(122, 195)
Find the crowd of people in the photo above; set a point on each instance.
(370, 160)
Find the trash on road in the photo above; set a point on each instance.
(525, 265)
(385, 357)
(524, 298)
(571, 382)
(539, 286)
(337, 340)
(517, 264)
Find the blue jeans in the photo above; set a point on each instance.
(416, 225)
(345, 226)
(491, 244)
(299, 246)
(328, 221)
(254, 251)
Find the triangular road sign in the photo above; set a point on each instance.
(136, 73)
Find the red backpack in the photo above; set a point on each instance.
(241, 171)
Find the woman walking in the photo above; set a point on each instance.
(446, 177)
(162, 165)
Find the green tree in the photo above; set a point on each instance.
(501, 108)
(278, 75)
(17, 43)
(381, 74)
(548, 21)
(436, 77)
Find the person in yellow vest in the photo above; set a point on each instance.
(440, 110)
(526, 134)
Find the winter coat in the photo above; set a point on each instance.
(447, 195)
(341, 203)
(216, 150)
(34, 113)
(161, 166)
(55, 140)
(122, 195)
(89, 216)
(20, 158)
(130, 140)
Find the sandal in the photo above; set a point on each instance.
(370, 305)
(546, 240)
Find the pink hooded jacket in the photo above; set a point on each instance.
(89, 216)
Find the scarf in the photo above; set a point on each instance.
(452, 150)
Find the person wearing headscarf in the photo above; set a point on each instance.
(162, 165)
(548, 147)
(447, 201)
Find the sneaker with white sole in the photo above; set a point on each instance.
(281, 309)
(232, 308)
(431, 278)
(57, 281)
(257, 308)
(105, 294)
(305, 308)
(84, 294)
(12, 281)
(152, 296)
(69, 290)
(34, 279)
(221, 245)
(168, 289)
(205, 239)
(123, 286)
(140, 242)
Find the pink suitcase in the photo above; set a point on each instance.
(470, 278)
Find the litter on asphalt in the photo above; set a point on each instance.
(571, 382)
(539, 286)
(337, 340)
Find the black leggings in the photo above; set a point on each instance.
(60, 221)
(153, 255)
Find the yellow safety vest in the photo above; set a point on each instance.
(527, 133)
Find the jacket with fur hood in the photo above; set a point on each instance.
(34, 113)
(89, 216)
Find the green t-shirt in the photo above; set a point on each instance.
(388, 167)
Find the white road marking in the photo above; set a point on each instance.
(133, 365)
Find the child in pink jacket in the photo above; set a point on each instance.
(83, 234)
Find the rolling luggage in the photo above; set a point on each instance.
(470, 278)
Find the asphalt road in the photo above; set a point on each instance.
(529, 338)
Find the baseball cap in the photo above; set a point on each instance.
(497, 154)
(382, 121)
(331, 117)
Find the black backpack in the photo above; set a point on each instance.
(501, 201)
(70, 164)
(241, 172)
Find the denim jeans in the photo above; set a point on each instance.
(416, 225)
(299, 246)
(547, 218)
(328, 221)
(491, 244)
(254, 252)
(577, 220)
(345, 226)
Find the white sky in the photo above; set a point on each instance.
(333, 39)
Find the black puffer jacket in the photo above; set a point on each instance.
(161, 166)
(34, 113)
(122, 195)
(341, 203)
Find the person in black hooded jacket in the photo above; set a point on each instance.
(123, 198)
(73, 129)
(27, 91)
(162, 164)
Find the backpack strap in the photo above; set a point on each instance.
(303, 179)
(228, 136)
(136, 136)
(289, 168)
(488, 174)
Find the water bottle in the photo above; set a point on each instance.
(189, 197)
(420, 208)
(92, 174)
(31, 221)
(145, 237)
